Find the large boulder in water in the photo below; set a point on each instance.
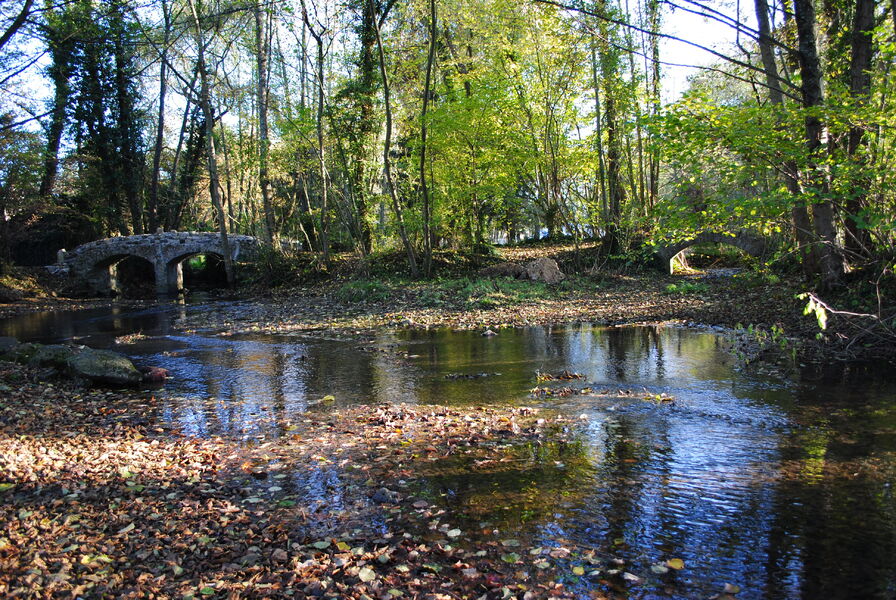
(104, 366)
(97, 366)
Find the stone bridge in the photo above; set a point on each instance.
(94, 263)
(751, 243)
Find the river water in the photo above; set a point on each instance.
(777, 481)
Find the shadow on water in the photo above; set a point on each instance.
(779, 484)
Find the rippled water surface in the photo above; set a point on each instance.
(780, 483)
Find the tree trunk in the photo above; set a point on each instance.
(321, 149)
(829, 263)
(61, 45)
(16, 23)
(387, 149)
(614, 175)
(802, 226)
(262, 91)
(858, 242)
(427, 216)
(367, 66)
(128, 129)
(598, 136)
(213, 180)
(153, 200)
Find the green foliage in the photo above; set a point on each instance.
(815, 307)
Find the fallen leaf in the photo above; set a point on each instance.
(675, 563)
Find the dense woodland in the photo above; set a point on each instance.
(421, 125)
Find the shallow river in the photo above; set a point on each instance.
(778, 482)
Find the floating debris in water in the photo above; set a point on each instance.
(564, 375)
(470, 375)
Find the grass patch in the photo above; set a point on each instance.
(687, 287)
(490, 293)
(364, 290)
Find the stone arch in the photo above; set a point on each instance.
(93, 263)
(750, 243)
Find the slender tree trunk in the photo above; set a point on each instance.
(153, 200)
(654, 17)
(598, 136)
(614, 175)
(321, 148)
(262, 91)
(858, 241)
(16, 23)
(131, 159)
(387, 150)
(213, 180)
(427, 211)
(829, 262)
(61, 45)
(367, 67)
(638, 183)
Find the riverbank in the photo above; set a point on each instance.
(359, 296)
(765, 314)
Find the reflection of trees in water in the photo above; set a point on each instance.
(101, 325)
(524, 483)
(242, 388)
(833, 532)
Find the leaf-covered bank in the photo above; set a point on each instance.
(101, 497)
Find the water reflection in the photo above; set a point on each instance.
(782, 486)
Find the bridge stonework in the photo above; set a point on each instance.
(94, 263)
(751, 243)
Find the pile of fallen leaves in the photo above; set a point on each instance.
(100, 497)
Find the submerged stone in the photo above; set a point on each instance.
(7, 344)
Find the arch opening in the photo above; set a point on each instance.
(135, 277)
(122, 274)
(710, 257)
(202, 271)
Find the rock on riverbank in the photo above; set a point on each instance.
(96, 366)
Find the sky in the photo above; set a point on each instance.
(697, 29)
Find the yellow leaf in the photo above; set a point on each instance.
(675, 563)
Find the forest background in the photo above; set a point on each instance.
(425, 125)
